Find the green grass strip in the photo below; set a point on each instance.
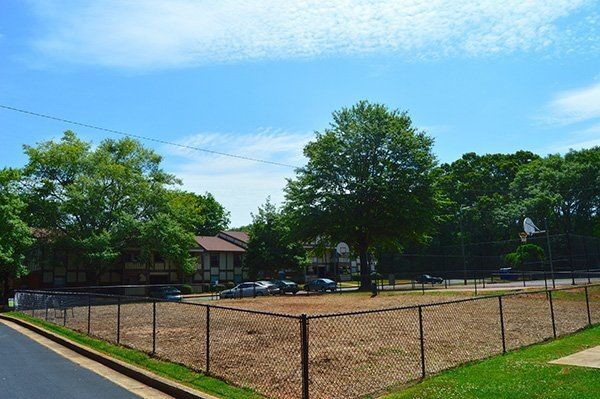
(523, 373)
(176, 372)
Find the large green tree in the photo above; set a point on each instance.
(15, 234)
(200, 214)
(368, 182)
(564, 189)
(96, 199)
(477, 195)
(271, 247)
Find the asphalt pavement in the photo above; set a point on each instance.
(30, 370)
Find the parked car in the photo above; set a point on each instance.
(427, 279)
(506, 273)
(242, 290)
(168, 293)
(321, 285)
(271, 287)
(286, 286)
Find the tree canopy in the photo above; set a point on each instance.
(99, 200)
(15, 234)
(271, 247)
(368, 181)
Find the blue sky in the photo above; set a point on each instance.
(257, 78)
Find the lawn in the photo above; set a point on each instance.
(524, 373)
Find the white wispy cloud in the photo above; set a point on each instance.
(577, 140)
(240, 185)
(179, 33)
(573, 106)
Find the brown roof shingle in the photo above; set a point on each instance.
(210, 243)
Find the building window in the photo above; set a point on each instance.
(215, 260)
(132, 257)
(237, 260)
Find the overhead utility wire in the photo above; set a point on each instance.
(137, 136)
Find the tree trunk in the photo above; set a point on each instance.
(5, 289)
(365, 270)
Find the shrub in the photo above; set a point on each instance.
(186, 289)
(229, 285)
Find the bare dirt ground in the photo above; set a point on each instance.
(349, 355)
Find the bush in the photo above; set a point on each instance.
(217, 288)
(186, 289)
(229, 285)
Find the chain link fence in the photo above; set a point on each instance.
(341, 355)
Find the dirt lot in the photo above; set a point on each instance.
(349, 355)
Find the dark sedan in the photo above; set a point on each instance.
(286, 286)
(321, 285)
(427, 279)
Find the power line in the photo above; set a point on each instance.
(137, 136)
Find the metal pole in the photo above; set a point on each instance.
(523, 276)
(502, 324)
(208, 340)
(549, 252)
(118, 320)
(304, 355)
(570, 248)
(462, 246)
(475, 280)
(422, 339)
(64, 316)
(89, 315)
(46, 309)
(423, 288)
(587, 304)
(587, 264)
(552, 314)
(154, 327)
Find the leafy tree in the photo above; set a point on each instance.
(96, 199)
(368, 182)
(201, 214)
(565, 189)
(15, 234)
(477, 193)
(166, 236)
(271, 246)
(525, 253)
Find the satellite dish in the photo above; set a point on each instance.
(529, 227)
(342, 248)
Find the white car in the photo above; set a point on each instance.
(242, 290)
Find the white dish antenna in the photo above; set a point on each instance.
(529, 227)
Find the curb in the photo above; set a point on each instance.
(146, 377)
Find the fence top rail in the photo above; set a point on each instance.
(150, 300)
(433, 304)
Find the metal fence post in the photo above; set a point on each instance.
(118, 320)
(475, 280)
(153, 327)
(208, 340)
(502, 324)
(422, 339)
(89, 315)
(552, 314)
(46, 301)
(64, 316)
(587, 304)
(304, 355)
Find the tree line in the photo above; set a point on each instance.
(371, 180)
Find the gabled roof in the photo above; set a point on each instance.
(238, 235)
(210, 243)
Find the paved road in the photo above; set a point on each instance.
(30, 370)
